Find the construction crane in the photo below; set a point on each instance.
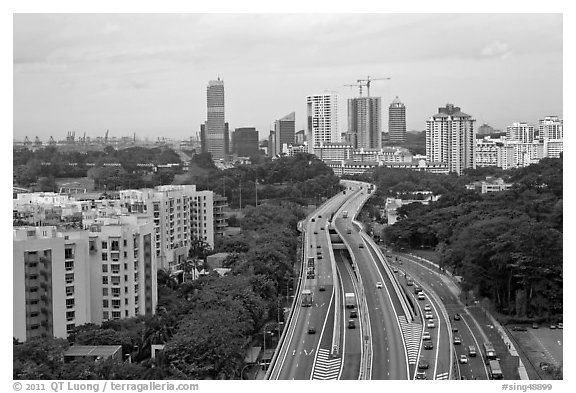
(369, 80)
(359, 86)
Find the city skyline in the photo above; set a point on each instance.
(147, 74)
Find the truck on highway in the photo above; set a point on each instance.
(306, 298)
(311, 262)
(494, 370)
(345, 214)
(350, 300)
(489, 352)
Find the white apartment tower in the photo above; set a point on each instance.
(64, 279)
(521, 132)
(322, 115)
(450, 138)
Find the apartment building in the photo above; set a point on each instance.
(322, 119)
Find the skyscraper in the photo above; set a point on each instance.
(397, 121)
(215, 130)
(450, 138)
(521, 132)
(245, 141)
(551, 127)
(322, 112)
(364, 122)
(284, 130)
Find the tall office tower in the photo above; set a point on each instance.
(322, 112)
(300, 137)
(245, 141)
(215, 128)
(397, 121)
(450, 138)
(551, 127)
(272, 144)
(521, 132)
(284, 129)
(364, 122)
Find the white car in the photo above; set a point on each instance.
(378, 285)
(429, 315)
(426, 336)
(430, 324)
(427, 308)
(421, 296)
(463, 359)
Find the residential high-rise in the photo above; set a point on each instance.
(284, 130)
(450, 138)
(397, 122)
(215, 129)
(551, 127)
(364, 122)
(322, 124)
(245, 141)
(521, 132)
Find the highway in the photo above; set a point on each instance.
(304, 355)
(468, 331)
(389, 359)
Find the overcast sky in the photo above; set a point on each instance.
(148, 73)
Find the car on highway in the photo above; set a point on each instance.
(421, 375)
(421, 296)
(313, 220)
(351, 324)
(322, 288)
(322, 228)
(457, 340)
(318, 246)
(395, 269)
(423, 364)
(463, 359)
(417, 289)
(360, 245)
(353, 314)
(560, 325)
(457, 317)
(426, 336)
(428, 315)
(427, 307)
(519, 328)
(430, 324)
(319, 215)
(378, 285)
(428, 345)
(311, 330)
(315, 232)
(348, 231)
(454, 329)
(319, 256)
(535, 325)
(472, 351)
(552, 326)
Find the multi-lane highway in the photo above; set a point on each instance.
(390, 336)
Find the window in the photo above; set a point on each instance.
(125, 243)
(33, 314)
(70, 290)
(105, 303)
(125, 277)
(69, 278)
(105, 315)
(116, 314)
(70, 315)
(33, 277)
(34, 289)
(126, 313)
(115, 246)
(125, 254)
(115, 268)
(69, 303)
(104, 268)
(126, 301)
(104, 256)
(104, 291)
(136, 301)
(68, 253)
(116, 292)
(105, 280)
(69, 265)
(104, 245)
(70, 327)
(115, 280)
(125, 266)
(116, 303)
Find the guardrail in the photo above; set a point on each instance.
(295, 304)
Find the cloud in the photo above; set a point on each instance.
(496, 49)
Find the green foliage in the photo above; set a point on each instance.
(507, 246)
